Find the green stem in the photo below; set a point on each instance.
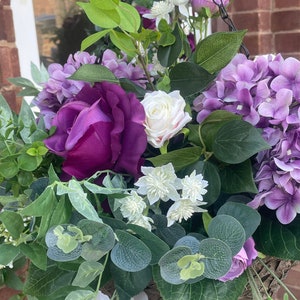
(261, 282)
(254, 289)
(278, 279)
(100, 276)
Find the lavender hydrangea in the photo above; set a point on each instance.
(59, 90)
(266, 93)
(123, 69)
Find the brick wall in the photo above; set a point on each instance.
(273, 25)
(9, 60)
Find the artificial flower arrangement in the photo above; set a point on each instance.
(169, 159)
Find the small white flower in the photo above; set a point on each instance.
(10, 265)
(132, 206)
(157, 67)
(160, 10)
(193, 187)
(102, 296)
(143, 221)
(165, 116)
(182, 5)
(159, 183)
(183, 209)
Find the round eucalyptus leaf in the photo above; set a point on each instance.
(169, 269)
(247, 216)
(229, 230)
(189, 241)
(57, 254)
(102, 235)
(218, 258)
(130, 253)
(91, 253)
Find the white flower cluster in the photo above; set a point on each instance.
(162, 9)
(162, 184)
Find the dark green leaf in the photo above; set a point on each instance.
(247, 216)
(123, 42)
(279, 240)
(189, 78)
(237, 141)
(8, 253)
(238, 178)
(36, 253)
(216, 51)
(93, 38)
(93, 73)
(179, 158)
(129, 284)
(168, 55)
(157, 247)
(13, 222)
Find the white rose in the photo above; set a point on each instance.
(165, 116)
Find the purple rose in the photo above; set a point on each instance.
(241, 261)
(101, 129)
(199, 4)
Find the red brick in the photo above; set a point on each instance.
(259, 43)
(5, 2)
(2, 27)
(287, 42)
(257, 21)
(285, 20)
(8, 24)
(287, 3)
(9, 63)
(254, 5)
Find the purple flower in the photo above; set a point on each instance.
(101, 129)
(241, 261)
(147, 23)
(289, 76)
(59, 89)
(122, 69)
(287, 205)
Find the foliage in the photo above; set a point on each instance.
(117, 199)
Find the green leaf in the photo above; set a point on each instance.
(81, 295)
(103, 239)
(229, 230)
(169, 269)
(6, 116)
(129, 284)
(180, 158)
(130, 19)
(168, 55)
(238, 178)
(105, 4)
(103, 18)
(218, 257)
(169, 234)
(13, 223)
(189, 241)
(206, 289)
(157, 247)
(248, 217)
(87, 272)
(123, 42)
(28, 162)
(216, 51)
(8, 253)
(80, 201)
(129, 86)
(130, 254)
(237, 141)
(8, 169)
(92, 39)
(13, 281)
(211, 125)
(93, 73)
(97, 189)
(39, 75)
(21, 81)
(36, 253)
(189, 78)
(279, 240)
(41, 283)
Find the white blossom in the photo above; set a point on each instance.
(159, 183)
(143, 221)
(183, 209)
(182, 5)
(193, 187)
(160, 10)
(132, 206)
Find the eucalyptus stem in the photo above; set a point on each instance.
(100, 276)
(144, 66)
(261, 282)
(278, 279)
(254, 289)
